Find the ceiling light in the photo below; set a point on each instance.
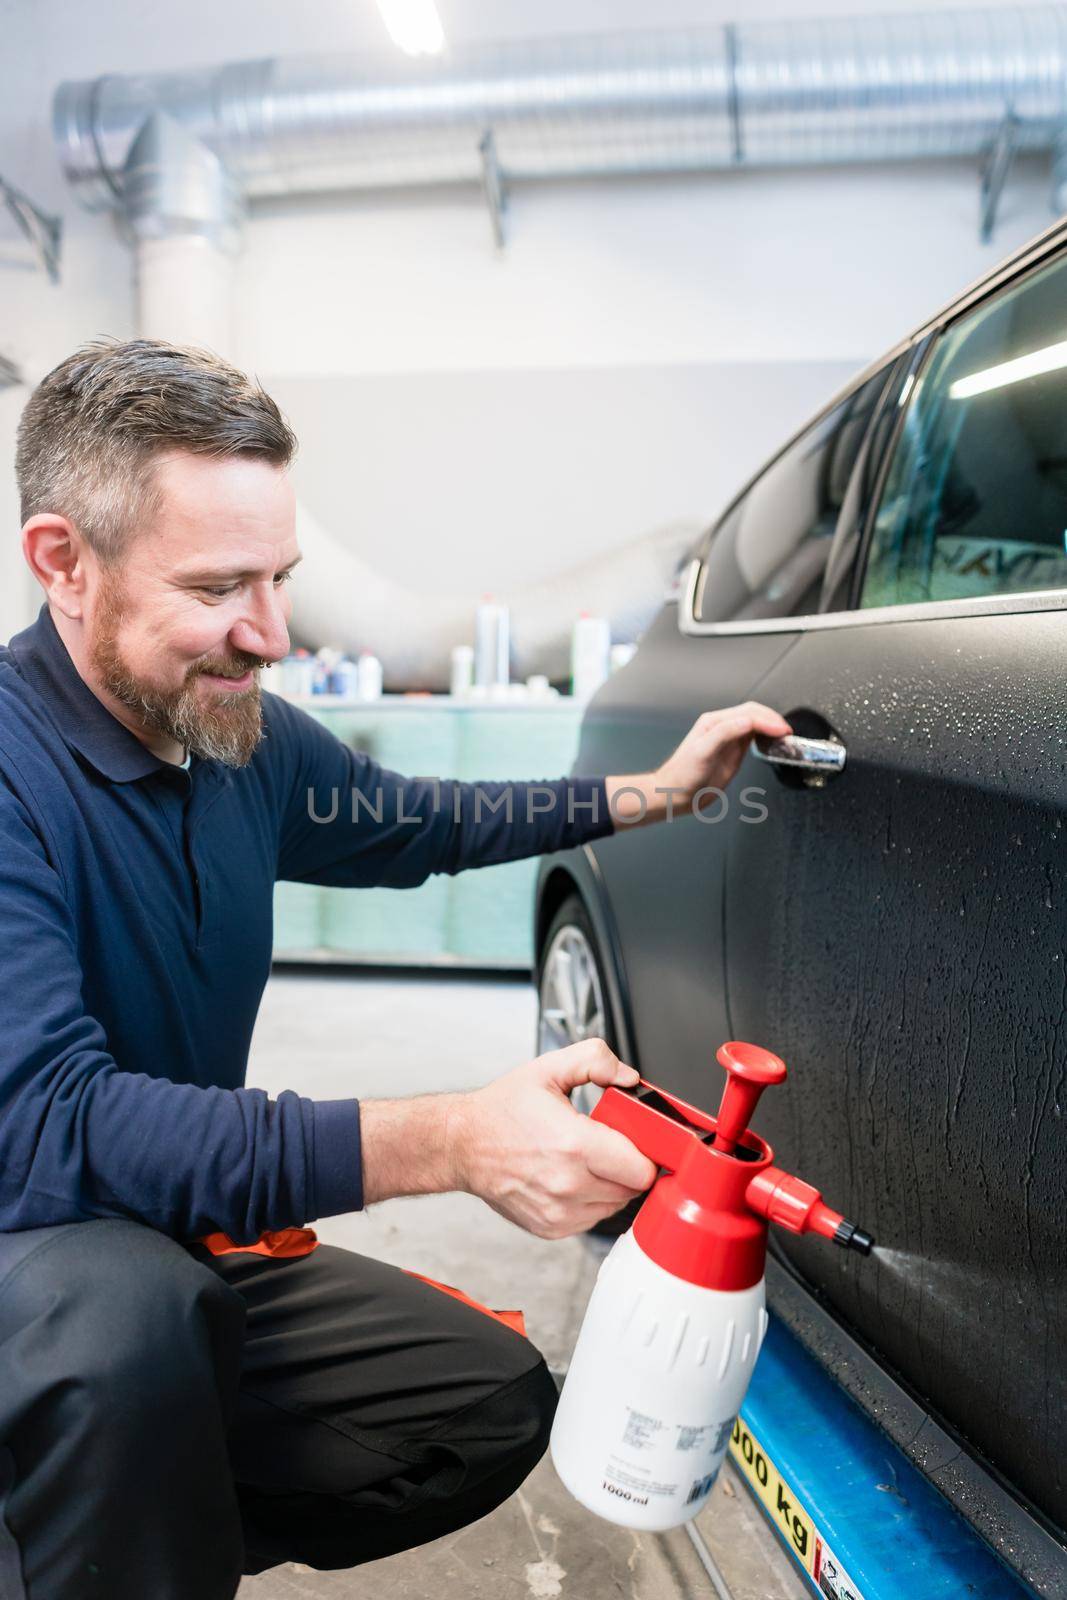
(1051, 359)
(414, 25)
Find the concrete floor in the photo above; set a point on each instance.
(333, 1034)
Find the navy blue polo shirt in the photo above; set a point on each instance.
(136, 901)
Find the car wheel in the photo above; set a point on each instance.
(572, 1005)
(571, 990)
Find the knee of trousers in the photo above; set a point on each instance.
(109, 1317)
(501, 1438)
(459, 1472)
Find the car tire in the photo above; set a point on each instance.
(573, 1004)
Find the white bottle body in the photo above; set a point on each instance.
(656, 1379)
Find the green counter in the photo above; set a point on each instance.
(481, 918)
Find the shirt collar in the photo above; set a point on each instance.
(84, 721)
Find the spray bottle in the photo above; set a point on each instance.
(676, 1318)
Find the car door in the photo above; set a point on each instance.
(766, 558)
(899, 932)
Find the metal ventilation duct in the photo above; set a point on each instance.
(791, 92)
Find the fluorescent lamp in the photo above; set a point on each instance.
(1051, 359)
(414, 25)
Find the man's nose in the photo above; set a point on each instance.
(262, 630)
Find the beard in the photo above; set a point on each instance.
(228, 728)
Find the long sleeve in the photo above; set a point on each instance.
(80, 1137)
(348, 821)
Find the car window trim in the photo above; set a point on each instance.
(854, 517)
(922, 354)
(1038, 253)
(872, 616)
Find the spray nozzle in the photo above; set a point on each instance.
(849, 1237)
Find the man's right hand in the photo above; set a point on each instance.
(522, 1148)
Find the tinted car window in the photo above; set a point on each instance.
(975, 502)
(768, 555)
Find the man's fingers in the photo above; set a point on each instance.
(761, 713)
(611, 1156)
(590, 1061)
(735, 722)
(762, 720)
(613, 1195)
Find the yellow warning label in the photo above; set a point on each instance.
(785, 1510)
(816, 1557)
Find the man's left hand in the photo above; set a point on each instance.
(707, 758)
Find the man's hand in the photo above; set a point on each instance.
(519, 1144)
(707, 758)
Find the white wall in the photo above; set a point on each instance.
(471, 419)
(483, 481)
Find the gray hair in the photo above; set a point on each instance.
(93, 427)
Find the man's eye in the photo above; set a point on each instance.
(222, 591)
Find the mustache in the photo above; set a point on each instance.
(234, 666)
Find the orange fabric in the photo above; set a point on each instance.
(285, 1242)
(289, 1242)
(510, 1319)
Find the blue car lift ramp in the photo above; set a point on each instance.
(859, 1519)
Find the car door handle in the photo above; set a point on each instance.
(815, 759)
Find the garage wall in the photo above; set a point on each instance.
(497, 478)
(638, 348)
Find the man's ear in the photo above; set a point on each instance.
(57, 556)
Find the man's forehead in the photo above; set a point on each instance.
(235, 513)
(246, 485)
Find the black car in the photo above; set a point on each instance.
(890, 914)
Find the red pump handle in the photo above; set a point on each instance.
(657, 1136)
(749, 1070)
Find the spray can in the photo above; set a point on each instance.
(590, 655)
(676, 1318)
(346, 679)
(492, 649)
(462, 675)
(368, 676)
(297, 673)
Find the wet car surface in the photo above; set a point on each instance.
(895, 583)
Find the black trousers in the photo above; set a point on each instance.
(170, 1419)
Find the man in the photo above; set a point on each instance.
(191, 1388)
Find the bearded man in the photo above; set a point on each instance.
(191, 1388)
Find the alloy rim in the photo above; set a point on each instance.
(571, 1001)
